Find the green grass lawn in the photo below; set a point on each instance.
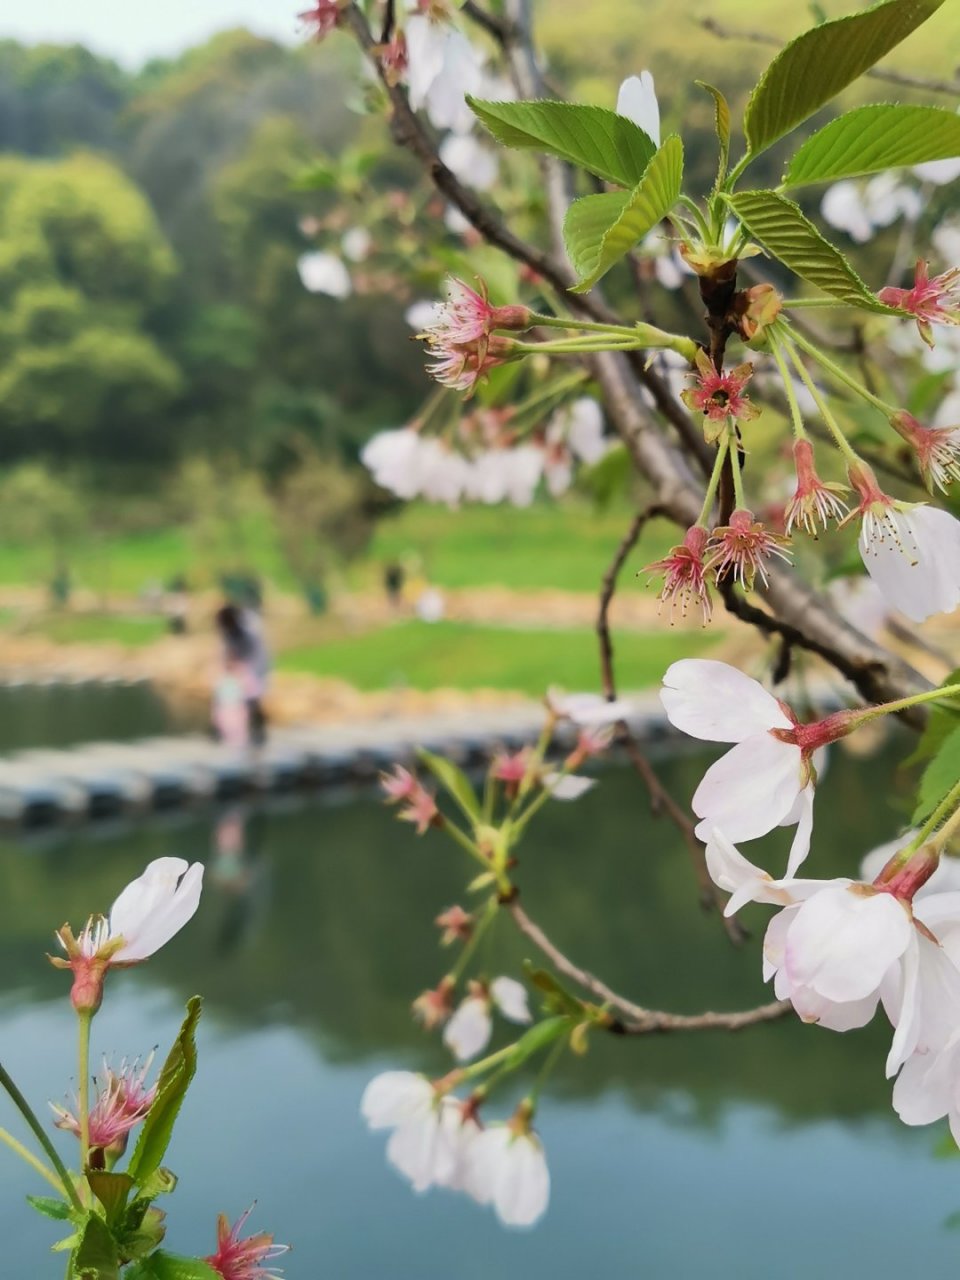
(564, 545)
(456, 655)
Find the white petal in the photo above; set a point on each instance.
(512, 1172)
(469, 1029)
(752, 788)
(325, 273)
(922, 1091)
(510, 997)
(637, 100)
(716, 702)
(469, 160)
(570, 786)
(842, 942)
(154, 907)
(394, 1097)
(843, 207)
(801, 840)
(425, 1149)
(917, 571)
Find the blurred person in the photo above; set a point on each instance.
(393, 579)
(245, 657)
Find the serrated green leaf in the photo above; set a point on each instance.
(722, 125)
(789, 236)
(598, 230)
(939, 777)
(172, 1085)
(51, 1207)
(942, 719)
(452, 778)
(814, 68)
(170, 1266)
(97, 1256)
(872, 139)
(593, 138)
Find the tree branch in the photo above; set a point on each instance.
(951, 87)
(637, 1020)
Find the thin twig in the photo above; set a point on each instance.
(501, 30)
(661, 801)
(951, 87)
(638, 1020)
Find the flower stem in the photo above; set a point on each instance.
(84, 1018)
(543, 1075)
(949, 828)
(36, 1164)
(20, 1102)
(713, 484)
(588, 326)
(842, 443)
(902, 704)
(951, 801)
(799, 430)
(841, 374)
(806, 304)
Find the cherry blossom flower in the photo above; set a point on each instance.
(931, 302)
(469, 1029)
(839, 947)
(768, 778)
(443, 67)
(122, 1100)
(322, 18)
(443, 474)
(470, 161)
(815, 502)
(511, 769)
(743, 549)
(456, 925)
(567, 786)
(637, 100)
(356, 243)
(324, 273)
(720, 397)
(145, 916)
(244, 1259)
(588, 710)
(467, 316)
(937, 449)
(861, 210)
(511, 475)
(433, 1007)
(685, 574)
(506, 1167)
(462, 368)
(393, 459)
(431, 1131)
(910, 550)
(418, 804)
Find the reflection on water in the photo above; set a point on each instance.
(59, 715)
(752, 1155)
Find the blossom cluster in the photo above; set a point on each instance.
(484, 463)
(837, 948)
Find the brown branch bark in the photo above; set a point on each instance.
(635, 1019)
(951, 87)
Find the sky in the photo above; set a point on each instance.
(134, 32)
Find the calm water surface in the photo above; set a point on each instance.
(59, 715)
(770, 1155)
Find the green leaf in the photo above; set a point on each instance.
(792, 238)
(172, 1085)
(598, 230)
(814, 68)
(594, 138)
(454, 780)
(722, 124)
(51, 1207)
(170, 1266)
(939, 777)
(97, 1257)
(871, 139)
(112, 1190)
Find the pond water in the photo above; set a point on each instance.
(769, 1154)
(59, 715)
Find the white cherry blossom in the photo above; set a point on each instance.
(429, 1135)
(587, 710)
(637, 100)
(568, 786)
(356, 243)
(509, 1171)
(763, 782)
(324, 273)
(469, 1029)
(913, 555)
(861, 210)
(470, 161)
(392, 458)
(443, 67)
